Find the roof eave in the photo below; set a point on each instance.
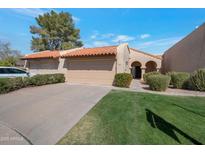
(27, 58)
(69, 56)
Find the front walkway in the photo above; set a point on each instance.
(138, 86)
(43, 115)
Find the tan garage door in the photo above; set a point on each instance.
(43, 66)
(93, 70)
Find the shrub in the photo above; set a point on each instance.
(170, 74)
(59, 78)
(4, 85)
(197, 80)
(10, 84)
(26, 81)
(146, 75)
(43, 79)
(179, 79)
(188, 85)
(39, 80)
(122, 80)
(16, 83)
(158, 82)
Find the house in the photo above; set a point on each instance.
(19, 63)
(188, 54)
(93, 65)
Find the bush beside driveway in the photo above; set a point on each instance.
(11, 84)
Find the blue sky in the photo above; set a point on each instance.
(149, 30)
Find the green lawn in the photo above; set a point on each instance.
(123, 117)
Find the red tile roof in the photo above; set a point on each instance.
(43, 54)
(107, 50)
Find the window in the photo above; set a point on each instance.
(16, 71)
(2, 71)
(11, 71)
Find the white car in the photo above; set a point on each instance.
(12, 72)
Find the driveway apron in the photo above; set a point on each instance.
(43, 115)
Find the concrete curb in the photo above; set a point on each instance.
(11, 136)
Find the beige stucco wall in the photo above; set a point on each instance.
(123, 54)
(188, 54)
(91, 70)
(143, 59)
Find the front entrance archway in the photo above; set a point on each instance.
(151, 66)
(136, 70)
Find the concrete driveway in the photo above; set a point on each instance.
(43, 115)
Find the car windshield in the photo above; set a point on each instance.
(11, 71)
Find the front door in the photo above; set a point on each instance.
(136, 72)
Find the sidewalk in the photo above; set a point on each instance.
(137, 85)
(11, 136)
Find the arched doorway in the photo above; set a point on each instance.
(136, 70)
(151, 66)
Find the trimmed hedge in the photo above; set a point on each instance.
(122, 80)
(158, 82)
(197, 80)
(4, 85)
(179, 79)
(11, 84)
(43, 79)
(146, 75)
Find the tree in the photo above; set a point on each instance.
(8, 56)
(55, 31)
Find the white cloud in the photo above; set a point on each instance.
(123, 38)
(108, 35)
(100, 43)
(143, 36)
(75, 19)
(35, 12)
(166, 42)
(196, 27)
(93, 36)
(96, 35)
(32, 12)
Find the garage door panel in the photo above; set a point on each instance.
(93, 71)
(90, 74)
(100, 64)
(94, 82)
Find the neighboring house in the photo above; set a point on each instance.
(188, 54)
(43, 62)
(93, 65)
(20, 63)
